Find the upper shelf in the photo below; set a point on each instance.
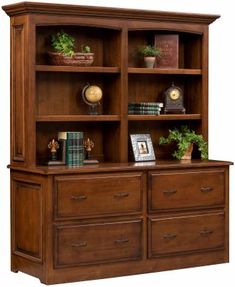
(77, 69)
(75, 118)
(165, 71)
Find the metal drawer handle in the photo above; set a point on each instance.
(170, 191)
(80, 244)
(206, 189)
(169, 236)
(121, 241)
(78, 197)
(121, 194)
(206, 232)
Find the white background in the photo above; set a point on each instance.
(221, 139)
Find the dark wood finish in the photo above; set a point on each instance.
(116, 217)
(186, 234)
(97, 243)
(174, 190)
(98, 195)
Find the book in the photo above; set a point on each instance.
(145, 104)
(169, 44)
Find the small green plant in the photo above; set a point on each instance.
(150, 51)
(184, 137)
(85, 49)
(63, 43)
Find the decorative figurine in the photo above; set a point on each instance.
(89, 145)
(53, 146)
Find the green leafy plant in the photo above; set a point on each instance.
(85, 49)
(63, 43)
(150, 51)
(184, 137)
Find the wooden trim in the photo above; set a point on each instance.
(61, 9)
(18, 92)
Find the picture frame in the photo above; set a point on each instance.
(142, 147)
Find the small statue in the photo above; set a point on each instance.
(89, 145)
(53, 146)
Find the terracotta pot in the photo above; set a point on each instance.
(149, 62)
(78, 59)
(188, 153)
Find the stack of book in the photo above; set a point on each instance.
(72, 144)
(144, 108)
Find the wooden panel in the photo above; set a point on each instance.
(96, 243)
(186, 233)
(27, 219)
(186, 189)
(18, 92)
(98, 194)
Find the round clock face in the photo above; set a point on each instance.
(174, 94)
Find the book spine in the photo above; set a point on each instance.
(69, 149)
(78, 149)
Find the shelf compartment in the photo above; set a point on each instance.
(72, 69)
(105, 135)
(172, 117)
(105, 43)
(151, 88)
(190, 47)
(61, 93)
(78, 118)
(165, 71)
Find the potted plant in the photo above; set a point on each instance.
(63, 45)
(185, 139)
(150, 53)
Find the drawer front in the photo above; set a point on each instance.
(94, 195)
(186, 233)
(97, 243)
(186, 189)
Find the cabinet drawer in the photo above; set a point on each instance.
(94, 195)
(97, 243)
(186, 189)
(186, 233)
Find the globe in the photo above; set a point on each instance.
(93, 94)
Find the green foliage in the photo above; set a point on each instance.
(85, 49)
(63, 43)
(184, 137)
(150, 51)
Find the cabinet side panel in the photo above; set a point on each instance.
(18, 92)
(27, 218)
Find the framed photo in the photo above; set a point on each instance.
(142, 147)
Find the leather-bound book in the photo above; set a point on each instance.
(169, 44)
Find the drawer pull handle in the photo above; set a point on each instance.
(169, 236)
(169, 192)
(121, 194)
(80, 244)
(78, 197)
(121, 241)
(206, 189)
(206, 232)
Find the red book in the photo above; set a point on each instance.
(169, 44)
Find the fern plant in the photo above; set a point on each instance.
(184, 137)
(63, 43)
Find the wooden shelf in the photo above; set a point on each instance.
(73, 69)
(164, 117)
(78, 118)
(165, 71)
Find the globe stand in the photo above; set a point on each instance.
(93, 109)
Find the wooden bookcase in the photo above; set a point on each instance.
(117, 217)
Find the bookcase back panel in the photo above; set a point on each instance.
(104, 43)
(61, 93)
(158, 129)
(151, 88)
(189, 47)
(105, 136)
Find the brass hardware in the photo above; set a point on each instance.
(121, 194)
(121, 241)
(206, 189)
(206, 232)
(78, 197)
(170, 191)
(169, 236)
(80, 244)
